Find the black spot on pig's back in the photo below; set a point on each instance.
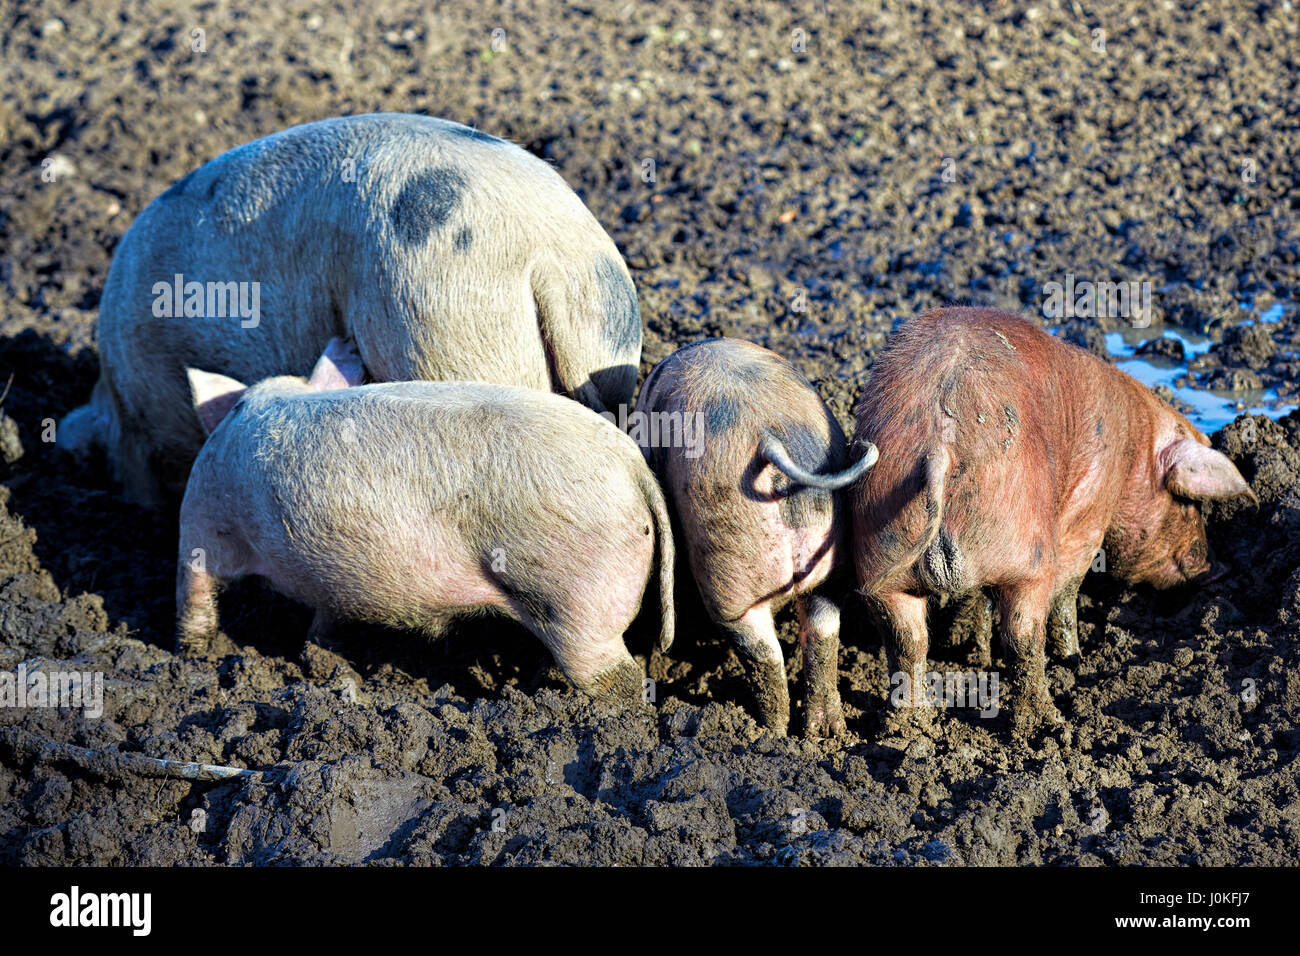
(424, 204)
(721, 414)
(464, 239)
(618, 307)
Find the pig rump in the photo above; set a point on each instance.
(757, 504)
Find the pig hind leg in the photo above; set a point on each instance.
(819, 635)
(974, 621)
(1023, 609)
(324, 629)
(590, 652)
(907, 642)
(201, 571)
(754, 636)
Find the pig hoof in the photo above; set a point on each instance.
(909, 721)
(824, 722)
(1026, 721)
(1064, 650)
(193, 646)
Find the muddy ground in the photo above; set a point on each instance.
(909, 155)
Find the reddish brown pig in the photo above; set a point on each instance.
(1007, 459)
(754, 483)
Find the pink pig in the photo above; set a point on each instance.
(1007, 459)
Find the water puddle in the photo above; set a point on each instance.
(1208, 409)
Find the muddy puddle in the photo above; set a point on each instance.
(1169, 358)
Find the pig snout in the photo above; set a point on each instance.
(1198, 565)
(81, 432)
(1214, 571)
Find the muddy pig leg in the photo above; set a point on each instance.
(973, 630)
(1063, 622)
(603, 669)
(196, 609)
(1023, 609)
(819, 635)
(902, 618)
(754, 635)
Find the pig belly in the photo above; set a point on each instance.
(407, 579)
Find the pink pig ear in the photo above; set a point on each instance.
(338, 367)
(1198, 472)
(214, 396)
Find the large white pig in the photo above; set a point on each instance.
(409, 504)
(445, 253)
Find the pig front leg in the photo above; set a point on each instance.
(1023, 609)
(902, 619)
(975, 620)
(754, 634)
(819, 635)
(196, 610)
(1063, 622)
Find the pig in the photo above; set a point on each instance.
(1008, 459)
(754, 485)
(409, 504)
(445, 253)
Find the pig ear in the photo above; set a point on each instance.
(214, 395)
(1198, 472)
(338, 367)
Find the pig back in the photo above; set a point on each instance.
(985, 425)
(479, 458)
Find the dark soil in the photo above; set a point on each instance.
(906, 158)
